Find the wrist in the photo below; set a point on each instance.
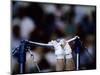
(60, 56)
(68, 56)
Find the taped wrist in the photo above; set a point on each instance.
(60, 56)
(68, 56)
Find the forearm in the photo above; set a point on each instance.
(60, 65)
(70, 65)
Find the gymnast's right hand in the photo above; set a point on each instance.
(59, 52)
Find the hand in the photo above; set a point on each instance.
(67, 48)
(68, 51)
(59, 52)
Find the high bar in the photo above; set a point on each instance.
(50, 45)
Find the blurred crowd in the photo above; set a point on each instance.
(43, 22)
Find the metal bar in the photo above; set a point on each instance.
(43, 44)
(36, 43)
(77, 61)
